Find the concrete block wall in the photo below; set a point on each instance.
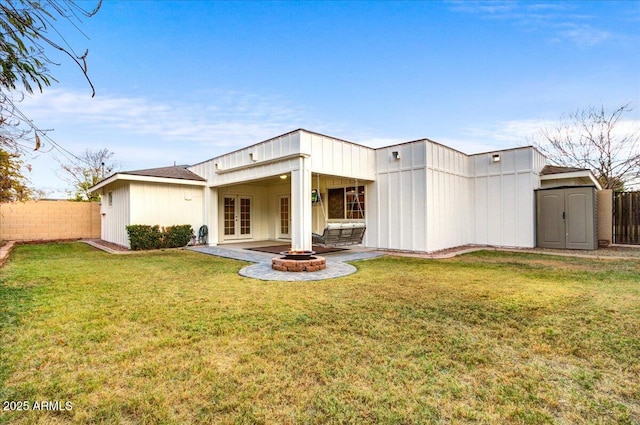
(605, 215)
(49, 220)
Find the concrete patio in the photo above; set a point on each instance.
(336, 261)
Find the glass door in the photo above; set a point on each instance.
(284, 217)
(237, 217)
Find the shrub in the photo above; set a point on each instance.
(142, 236)
(177, 236)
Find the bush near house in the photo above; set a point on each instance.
(142, 236)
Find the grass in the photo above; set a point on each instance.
(179, 337)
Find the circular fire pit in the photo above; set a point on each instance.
(298, 261)
(297, 255)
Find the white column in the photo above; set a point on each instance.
(212, 216)
(301, 206)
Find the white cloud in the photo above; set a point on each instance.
(226, 120)
(144, 133)
(582, 35)
(562, 21)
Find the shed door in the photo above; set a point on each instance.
(579, 223)
(551, 218)
(566, 218)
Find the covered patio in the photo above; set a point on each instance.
(286, 188)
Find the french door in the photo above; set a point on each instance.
(237, 217)
(284, 217)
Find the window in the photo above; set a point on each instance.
(346, 202)
(110, 199)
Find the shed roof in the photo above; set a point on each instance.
(174, 172)
(557, 169)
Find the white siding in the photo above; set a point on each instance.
(504, 199)
(266, 159)
(115, 218)
(449, 198)
(166, 204)
(396, 202)
(279, 156)
(337, 157)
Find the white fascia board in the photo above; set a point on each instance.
(148, 179)
(574, 175)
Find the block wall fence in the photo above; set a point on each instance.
(49, 220)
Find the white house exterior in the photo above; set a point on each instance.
(415, 196)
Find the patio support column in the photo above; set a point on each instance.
(212, 215)
(301, 205)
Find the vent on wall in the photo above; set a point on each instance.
(495, 157)
(395, 155)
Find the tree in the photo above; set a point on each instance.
(13, 185)
(598, 140)
(26, 32)
(95, 165)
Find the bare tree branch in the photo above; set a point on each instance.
(592, 138)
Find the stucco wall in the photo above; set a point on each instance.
(49, 220)
(605, 215)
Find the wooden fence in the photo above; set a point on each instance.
(626, 218)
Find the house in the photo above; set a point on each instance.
(415, 196)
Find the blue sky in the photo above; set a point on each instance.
(186, 81)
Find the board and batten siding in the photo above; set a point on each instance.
(422, 200)
(279, 156)
(396, 205)
(504, 197)
(252, 163)
(449, 198)
(336, 157)
(428, 197)
(115, 217)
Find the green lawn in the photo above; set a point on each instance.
(179, 337)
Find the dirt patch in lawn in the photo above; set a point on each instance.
(99, 243)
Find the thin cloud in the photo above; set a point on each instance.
(560, 20)
(582, 34)
(229, 117)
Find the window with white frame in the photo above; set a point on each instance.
(346, 202)
(110, 199)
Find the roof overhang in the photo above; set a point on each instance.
(585, 175)
(146, 179)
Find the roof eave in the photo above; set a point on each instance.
(148, 179)
(573, 175)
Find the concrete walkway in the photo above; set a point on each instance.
(5, 250)
(336, 263)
